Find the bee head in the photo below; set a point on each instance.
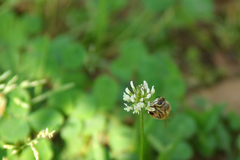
(161, 100)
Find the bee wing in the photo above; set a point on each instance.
(170, 115)
(154, 102)
(166, 122)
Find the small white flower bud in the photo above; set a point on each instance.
(127, 91)
(148, 96)
(131, 83)
(152, 90)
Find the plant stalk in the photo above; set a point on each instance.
(142, 135)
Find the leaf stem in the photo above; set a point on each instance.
(142, 135)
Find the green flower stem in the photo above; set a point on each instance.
(142, 135)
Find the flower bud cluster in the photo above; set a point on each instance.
(139, 97)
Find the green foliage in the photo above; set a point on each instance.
(105, 86)
(14, 130)
(101, 45)
(45, 118)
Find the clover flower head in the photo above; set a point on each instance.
(139, 97)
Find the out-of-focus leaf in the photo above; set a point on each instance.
(98, 150)
(35, 60)
(71, 128)
(212, 117)
(43, 147)
(157, 5)
(85, 107)
(105, 91)
(73, 56)
(233, 120)
(238, 142)
(120, 138)
(95, 124)
(64, 101)
(164, 74)
(67, 53)
(208, 120)
(45, 118)
(191, 11)
(206, 144)
(223, 137)
(78, 78)
(9, 60)
(132, 53)
(74, 146)
(2, 152)
(182, 151)
(12, 31)
(117, 5)
(19, 102)
(14, 130)
(179, 127)
(32, 24)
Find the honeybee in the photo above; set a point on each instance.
(162, 110)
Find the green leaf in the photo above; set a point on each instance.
(223, 137)
(32, 23)
(67, 53)
(12, 31)
(72, 128)
(121, 138)
(73, 56)
(238, 142)
(206, 144)
(182, 151)
(74, 146)
(158, 5)
(132, 52)
(64, 101)
(36, 61)
(43, 147)
(105, 91)
(85, 107)
(19, 103)
(45, 118)
(191, 11)
(163, 73)
(14, 130)
(98, 121)
(233, 120)
(181, 124)
(98, 150)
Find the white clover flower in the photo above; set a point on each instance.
(139, 97)
(136, 109)
(149, 108)
(132, 98)
(126, 97)
(127, 108)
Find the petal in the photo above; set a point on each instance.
(152, 90)
(126, 97)
(145, 84)
(148, 96)
(132, 98)
(131, 83)
(127, 91)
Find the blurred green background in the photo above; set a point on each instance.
(188, 49)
